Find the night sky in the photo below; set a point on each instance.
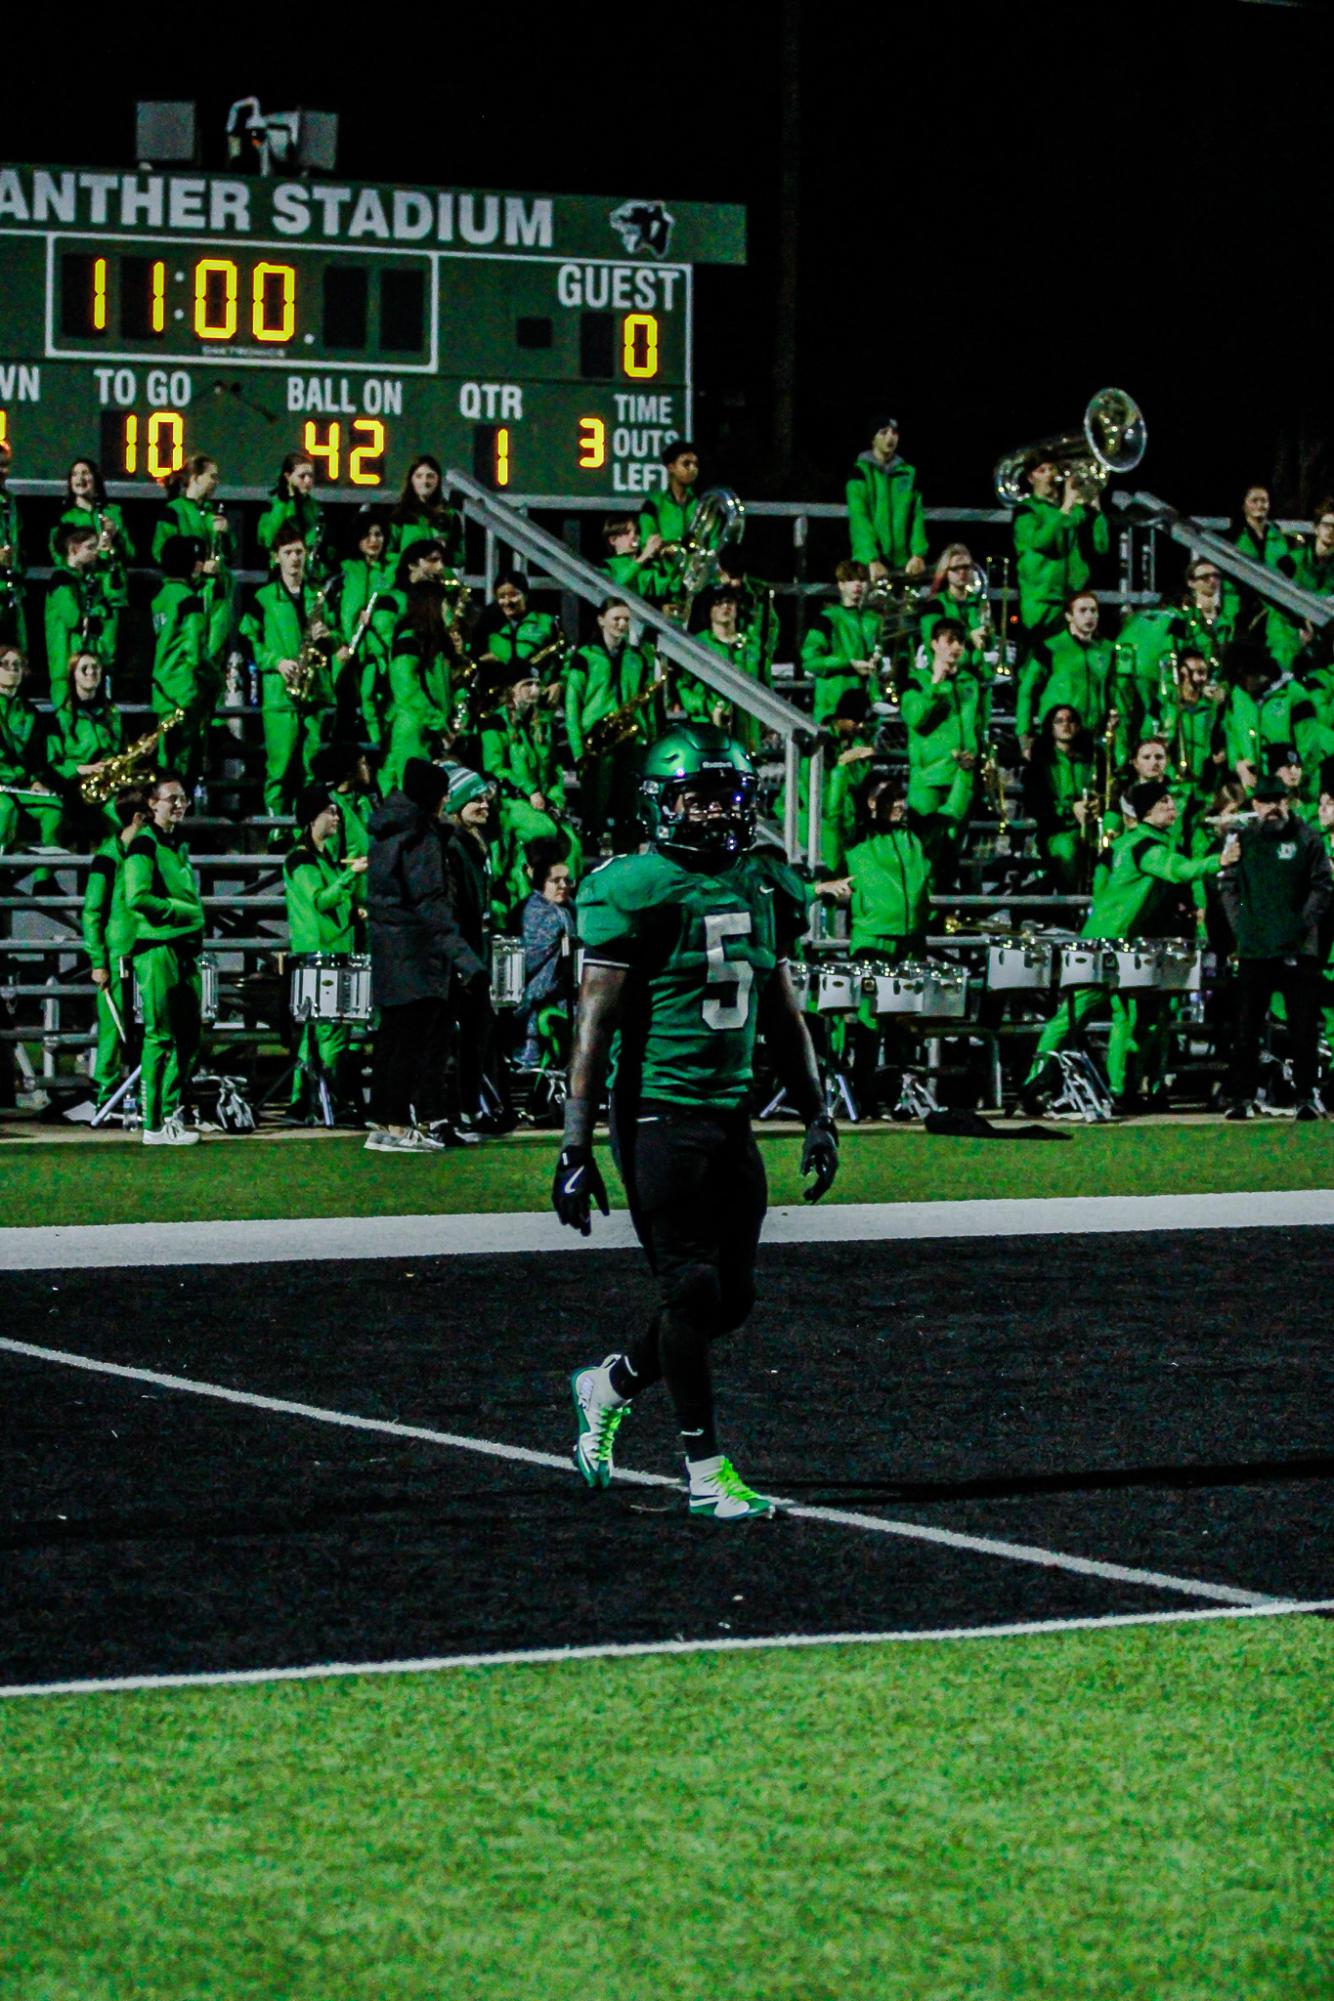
(999, 210)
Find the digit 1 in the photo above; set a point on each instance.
(502, 463)
(157, 302)
(331, 450)
(131, 450)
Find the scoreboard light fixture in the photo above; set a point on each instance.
(166, 134)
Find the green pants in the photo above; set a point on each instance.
(1066, 854)
(291, 739)
(110, 1056)
(323, 1046)
(168, 977)
(33, 820)
(1139, 1036)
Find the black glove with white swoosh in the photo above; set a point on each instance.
(577, 1186)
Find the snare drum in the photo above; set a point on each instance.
(1017, 964)
(331, 986)
(508, 977)
(900, 989)
(208, 992)
(800, 975)
(838, 987)
(1180, 967)
(1088, 962)
(1138, 964)
(946, 993)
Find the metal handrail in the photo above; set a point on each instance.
(500, 518)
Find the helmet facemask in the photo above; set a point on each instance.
(710, 813)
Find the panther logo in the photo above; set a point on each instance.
(643, 225)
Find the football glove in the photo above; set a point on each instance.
(578, 1184)
(819, 1156)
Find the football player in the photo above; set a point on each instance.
(685, 950)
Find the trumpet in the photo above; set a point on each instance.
(131, 766)
(1111, 439)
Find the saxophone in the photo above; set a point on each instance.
(622, 725)
(130, 766)
(312, 655)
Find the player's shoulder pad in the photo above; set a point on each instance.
(629, 882)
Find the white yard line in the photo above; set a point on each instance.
(1014, 1552)
(282, 1240)
(632, 1650)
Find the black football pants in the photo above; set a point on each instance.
(697, 1193)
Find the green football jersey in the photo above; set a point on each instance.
(700, 946)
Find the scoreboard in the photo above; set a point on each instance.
(543, 341)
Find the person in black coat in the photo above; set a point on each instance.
(483, 1086)
(419, 958)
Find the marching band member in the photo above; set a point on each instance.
(839, 644)
(85, 730)
(955, 593)
(13, 610)
(1189, 719)
(418, 711)
(1256, 536)
(367, 611)
(422, 514)
(510, 631)
(184, 676)
(23, 766)
(1208, 616)
(294, 506)
(290, 638)
(76, 613)
(942, 711)
(1264, 707)
(1059, 792)
(87, 506)
(633, 565)
(603, 677)
(1055, 541)
(162, 894)
(519, 756)
(189, 510)
(888, 886)
(109, 930)
(1137, 898)
(666, 515)
(1074, 667)
(886, 523)
(323, 914)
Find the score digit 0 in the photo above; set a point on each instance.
(639, 345)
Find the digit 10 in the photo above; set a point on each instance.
(164, 447)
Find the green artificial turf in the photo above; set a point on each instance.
(69, 1181)
(1137, 1813)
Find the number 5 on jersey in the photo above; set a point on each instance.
(725, 972)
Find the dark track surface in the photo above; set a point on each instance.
(1158, 1401)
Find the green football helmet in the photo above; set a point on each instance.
(705, 760)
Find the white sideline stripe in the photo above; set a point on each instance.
(285, 1239)
(840, 1517)
(634, 1649)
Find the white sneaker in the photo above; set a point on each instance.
(170, 1133)
(412, 1141)
(718, 1493)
